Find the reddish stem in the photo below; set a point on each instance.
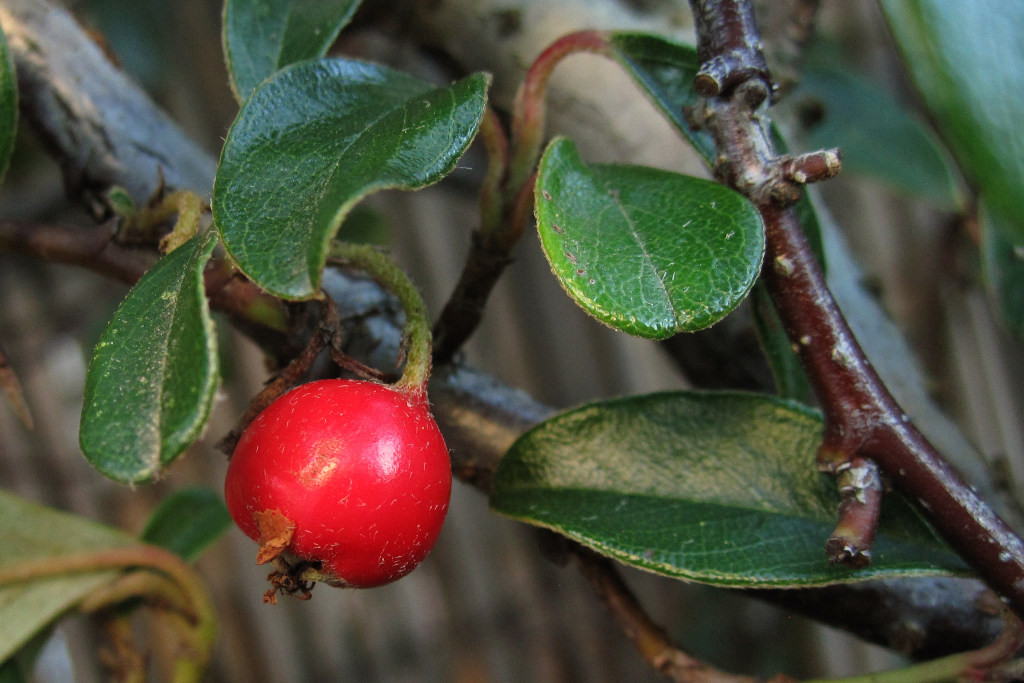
(649, 639)
(862, 418)
(529, 111)
(506, 199)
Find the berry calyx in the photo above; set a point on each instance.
(351, 478)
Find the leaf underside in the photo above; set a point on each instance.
(879, 138)
(187, 522)
(1003, 265)
(712, 487)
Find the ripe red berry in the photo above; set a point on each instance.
(358, 471)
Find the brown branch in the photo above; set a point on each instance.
(860, 504)
(862, 418)
(480, 417)
(270, 322)
(463, 311)
(649, 639)
(104, 131)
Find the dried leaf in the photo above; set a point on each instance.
(275, 534)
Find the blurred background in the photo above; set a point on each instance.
(486, 605)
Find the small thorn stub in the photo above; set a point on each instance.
(812, 167)
(845, 552)
(860, 501)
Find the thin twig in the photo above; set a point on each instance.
(281, 382)
(648, 638)
(265, 318)
(506, 197)
(12, 389)
(862, 418)
(480, 416)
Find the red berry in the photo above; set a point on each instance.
(358, 469)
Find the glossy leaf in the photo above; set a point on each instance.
(263, 36)
(1003, 264)
(153, 375)
(8, 105)
(187, 522)
(314, 140)
(712, 487)
(967, 60)
(32, 532)
(665, 71)
(879, 137)
(646, 251)
(791, 380)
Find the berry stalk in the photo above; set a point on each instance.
(416, 335)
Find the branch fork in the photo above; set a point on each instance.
(867, 433)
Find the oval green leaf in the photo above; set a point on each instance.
(788, 373)
(262, 36)
(8, 105)
(878, 136)
(1003, 265)
(645, 251)
(154, 373)
(30, 533)
(665, 70)
(967, 61)
(187, 522)
(314, 140)
(713, 487)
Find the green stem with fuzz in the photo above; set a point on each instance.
(492, 190)
(416, 335)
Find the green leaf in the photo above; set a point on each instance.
(1003, 265)
(32, 532)
(152, 379)
(187, 522)
(713, 487)
(263, 36)
(314, 140)
(791, 380)
(665, 71)
(8, 105)
(19, 668)
(878, 136)
(12, 671)
(646, 251)
(967, 61)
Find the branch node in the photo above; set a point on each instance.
(811, 167)
(860, 500)
(735, 69)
